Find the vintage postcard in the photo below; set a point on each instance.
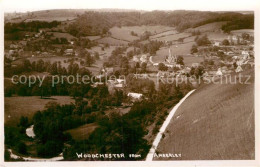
(112, 82)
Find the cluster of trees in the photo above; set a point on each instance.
(32, 26)
(16, 31)
(151, 47)
(242, 22)
(202, 41)
(197, 71)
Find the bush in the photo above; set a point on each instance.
(21, 148)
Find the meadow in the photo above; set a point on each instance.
(15, 107)
(112, 41)
(173, 37)
(240, 32)
(211, 27)
(215, 123)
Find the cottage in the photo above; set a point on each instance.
(239, 69)
(68, 52)
(219, 72)
(136, 96)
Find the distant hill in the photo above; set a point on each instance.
(215, 123)
(99, 21)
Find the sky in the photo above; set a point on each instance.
(203, 5)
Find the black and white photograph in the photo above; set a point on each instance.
(146, 81)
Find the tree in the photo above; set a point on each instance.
(21, 148)
(143, 67)
(162, 67)
(96, 55)
(225, 42)
(194, 49)
(202, 41)
(180, 60)
(89, 60)
(24, 122)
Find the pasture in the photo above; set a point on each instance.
(215, 123)
(112, 41)
(163, 34)
(219, 36)
(15, 107)
(124, 32)
(62, 35)
(211, 27)
(240, 32)
(173, 37)
(178, 49)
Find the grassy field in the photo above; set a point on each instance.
(211, 27)
(82, 132)
(112, 41)
(215, 123)
(15, 107)
(216, 36)
(93, 37)
(240, 32)
(173, 37)
(178, 49)
(62, 35)
(166, 33)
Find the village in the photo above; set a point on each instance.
(139, 68)
(220, 58)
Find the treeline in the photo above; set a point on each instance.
(243, 22)
(32, 26)
(98, 23)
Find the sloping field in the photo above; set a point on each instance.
(82, 132)
(166, 33)
(211, 27)
(112, 41)
(240, 32)
(215, 123)
(15, 107)
(125, 31)
(62, 35)
(217, 36)
(179, 49)
(173, 37)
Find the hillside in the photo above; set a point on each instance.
(215, 123)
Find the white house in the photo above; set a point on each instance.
(219, 72)
(136, 96)
(239, 69)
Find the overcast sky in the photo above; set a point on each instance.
(214, 5)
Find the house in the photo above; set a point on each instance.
(195, 65)
(143, 58)
(219, 72)
(239, 69)
(216, 43)
(108, 70)
(135, 96)
(68, 52)
(13, 46)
